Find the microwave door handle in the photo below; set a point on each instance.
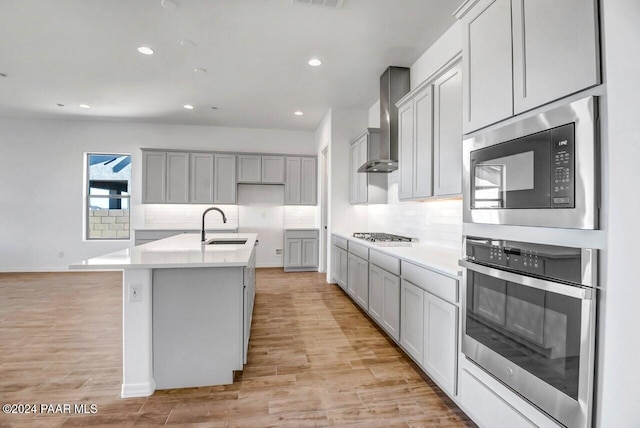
(540, 284)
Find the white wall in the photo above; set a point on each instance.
(41, 198)
(618, 367)
(437, 222)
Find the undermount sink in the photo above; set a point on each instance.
(231, 241)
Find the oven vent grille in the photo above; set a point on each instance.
(332, 4)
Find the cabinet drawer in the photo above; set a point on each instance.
(485, 407)
(439, 285)
(311, 234)
(340, 242)
(384, 261)
(359, 250)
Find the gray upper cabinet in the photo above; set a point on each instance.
(487, 64)
(519, 55)
(555, 50)
(154, 170)
(416, 145)
(177, 178)
(430, 137)
(447, 133)
(273, 169)
(308, 186)
(249, 169)
(300, 186)
(225, 179)
(369, 187)
(201, 178)
(292, 194)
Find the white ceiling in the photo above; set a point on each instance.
(255, 53)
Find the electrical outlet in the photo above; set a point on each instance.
(61, 254)
(264, 214)
(135, 292)
(278, 251)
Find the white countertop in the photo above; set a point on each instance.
(439, 259)
(186, 229)
(180, 251)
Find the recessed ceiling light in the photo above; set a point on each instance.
(168, 4)
(188, 106)
(145, 50)
(298, 113)
(3, 75)
(214, 108)
(314, 62)
(187, 44)
(84, 106)
(60, 104)
(200, 70)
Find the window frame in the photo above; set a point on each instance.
(88, 196)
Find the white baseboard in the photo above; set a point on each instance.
(269, 265)
(133, 390)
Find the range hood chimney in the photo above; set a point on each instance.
(383, 157)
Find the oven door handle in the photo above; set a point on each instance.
(541, 284)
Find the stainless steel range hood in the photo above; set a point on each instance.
(382, 156)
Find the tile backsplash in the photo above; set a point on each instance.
(436, 222)
(299, 216)
(186, 216)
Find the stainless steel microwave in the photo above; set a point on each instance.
(540, 171)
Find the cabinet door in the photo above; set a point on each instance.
(344, 277)
(292, 193)
(423, 144)
(354, 158)
(308, 188)
(440, 339)
(405, 151)
(177, 178)
(249, 169)
(352, 275)
(555, 50)
(412, 315)
(362, 284)
(273, 169)
(447, 133)
(201, 178)
(337, 268)
(362, 178)
(154, 166)
(309, 252)
(293, 253)
(225, 179)
(487, 64)
(391, 309)
(376, 293)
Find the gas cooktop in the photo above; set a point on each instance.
(384, 239)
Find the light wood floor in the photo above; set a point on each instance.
(314, 360)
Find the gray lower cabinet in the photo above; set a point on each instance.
(301, 249)
(154, 171)
(225, 179)
(300, 186)
(429, 323)
(384, 299)
(340, 262)
(358, 280)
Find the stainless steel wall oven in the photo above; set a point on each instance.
(540, 171)
(529, 320)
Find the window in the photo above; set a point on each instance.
(107, 196)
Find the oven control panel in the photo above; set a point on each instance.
(562, 166)
(547, 261)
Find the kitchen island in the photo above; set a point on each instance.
(186, 309)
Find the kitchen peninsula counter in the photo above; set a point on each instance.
(186, 310)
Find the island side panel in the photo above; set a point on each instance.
(137, 349)
(197, 326)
